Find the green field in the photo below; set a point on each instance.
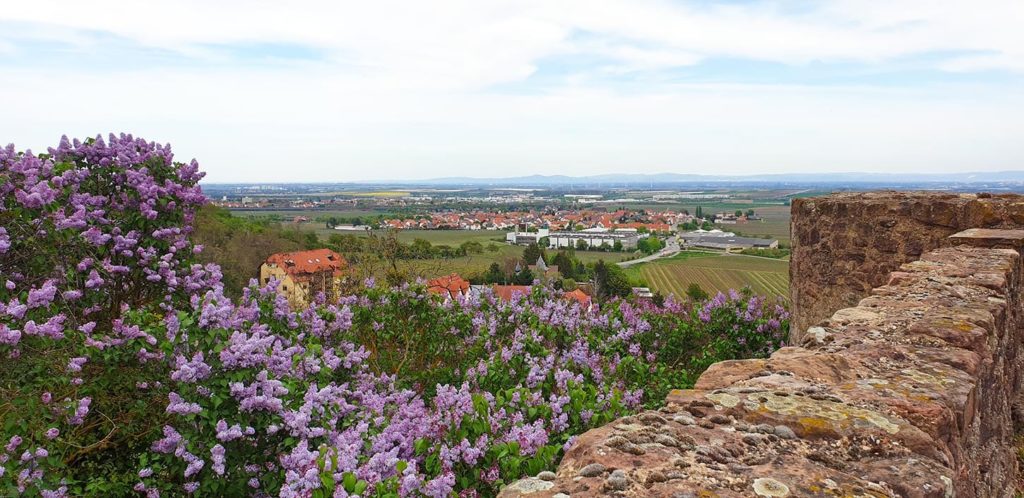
(775, 224)
(477, 264)
(436, 237)
(288, 214)
(715, 272)
(466, 266)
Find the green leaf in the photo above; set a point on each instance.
(349, 481)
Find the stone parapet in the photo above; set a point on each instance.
(846, 244)
(909, 393)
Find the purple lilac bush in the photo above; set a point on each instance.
(128, 372)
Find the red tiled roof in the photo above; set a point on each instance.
(507, 292)
(654, 227)
(300, 265)
(578, 296)
(452, 285)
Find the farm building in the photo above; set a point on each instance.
(526, 238)
(592, 239)
(725, 240)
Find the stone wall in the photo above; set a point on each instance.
(908, 393)
(844, 245)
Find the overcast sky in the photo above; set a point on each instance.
(347, 91)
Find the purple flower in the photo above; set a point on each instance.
(178, 405)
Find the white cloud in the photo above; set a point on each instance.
(481, 42)
(415, 89)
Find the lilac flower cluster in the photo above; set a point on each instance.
(380, 393)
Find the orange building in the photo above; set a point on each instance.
(301, 275)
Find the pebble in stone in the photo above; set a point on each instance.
(714, 453)
(719, 419)
(683, 419)
(617, 481)
(592, 470)
(679, 462)
(737, 468)
(547, 475)
(754, 439)
(756, 459)
(706, 424)
(560, 495)
(664, 440)
(624, 445)
(652, 418)
(655, 477)
(784, 432)
(684, 494)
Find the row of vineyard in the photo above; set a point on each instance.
(717, 274)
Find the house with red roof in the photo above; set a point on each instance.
(448, 286)
(580, 297)
(510, 293)
(301, 275)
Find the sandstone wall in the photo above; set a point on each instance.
(844, 245)
(908, 393)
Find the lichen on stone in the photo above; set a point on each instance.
(768, 487)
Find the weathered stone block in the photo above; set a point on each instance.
(910, 393)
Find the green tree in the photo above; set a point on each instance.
(524, 277)
(581, 244)
(494, 274)
(565, 263)
(738, 213)
(311, 241)
(649, 245)
(421, 249)
(695, 292)
(472, 247)
(492, 247)
(531, 253)
(750, 212)
(610, 280)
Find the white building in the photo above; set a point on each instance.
(592, 239)
(526, 238)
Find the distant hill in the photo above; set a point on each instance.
(676, 178)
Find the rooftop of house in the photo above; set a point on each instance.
(303, 264)
(450, 285)
(509, 292)
(578, 296)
